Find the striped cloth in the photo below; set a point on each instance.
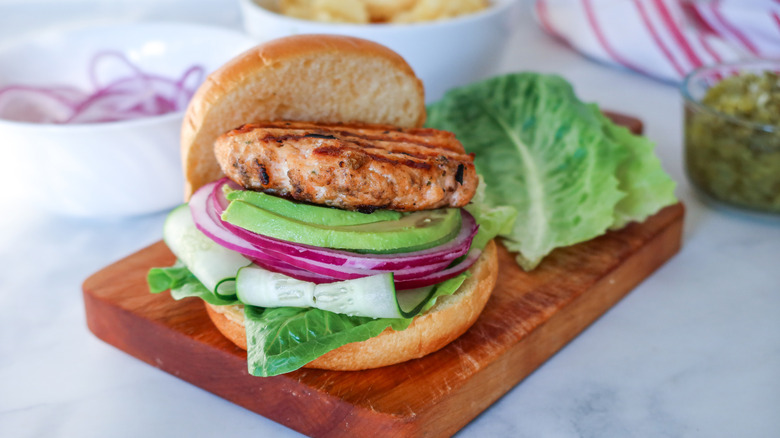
(664, 39)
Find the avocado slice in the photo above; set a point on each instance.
(312, 214)
(412, 232)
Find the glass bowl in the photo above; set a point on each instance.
(729, 158)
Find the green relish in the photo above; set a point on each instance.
(732, 141)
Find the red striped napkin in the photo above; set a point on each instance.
(665, 39)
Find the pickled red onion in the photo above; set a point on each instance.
(449, 251)
(421, 268)
(135, 95)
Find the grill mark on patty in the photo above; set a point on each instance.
(406, 136)
(246, 127)
(368, 137)
(341, 146)
(388, 149)
(332, 151)
(392, 160)
(322, 136)
(263, 172)
(337, 151)
(459, 174)
(281, 138)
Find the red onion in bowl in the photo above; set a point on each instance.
(136, 95)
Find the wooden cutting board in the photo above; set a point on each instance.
(529, 317)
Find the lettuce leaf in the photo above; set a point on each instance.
(647, 187)
(492, 220)
(447, 287)
(569, 172)
(540, 151)
(280, 340)
(283, 339)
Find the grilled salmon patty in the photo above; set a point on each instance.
(354, 167)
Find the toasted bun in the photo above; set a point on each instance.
(442, 324)
(315, 78)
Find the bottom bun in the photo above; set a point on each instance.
(449, 318)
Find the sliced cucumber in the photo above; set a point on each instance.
(215, 266)
(263, 288)
(373, 296)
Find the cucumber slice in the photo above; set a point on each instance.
(373, 296)
(312, 214)
(213, 265)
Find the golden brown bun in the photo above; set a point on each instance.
(315, 78)
(442, 324)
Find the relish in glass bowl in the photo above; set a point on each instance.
(732, 133)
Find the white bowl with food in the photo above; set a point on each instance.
(90, 117)
(445, 52)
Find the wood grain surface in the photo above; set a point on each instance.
(528, 318)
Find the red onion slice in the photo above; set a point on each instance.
(449, 251)
(292, 271)
(440, 276)
(311, 265)
(208, 203)
(209, 224)
(23, 103)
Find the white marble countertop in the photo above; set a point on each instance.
(694, 351)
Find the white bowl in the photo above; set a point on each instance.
(444, 54)
(108, 169)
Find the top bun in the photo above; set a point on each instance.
(316, 78)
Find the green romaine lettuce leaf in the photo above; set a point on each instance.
(647, 187)
(566, 169)
(283, 339)
(540, 151)
(447, 287)
(492, 220)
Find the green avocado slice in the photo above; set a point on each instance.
(312, 214)
(412, 232)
